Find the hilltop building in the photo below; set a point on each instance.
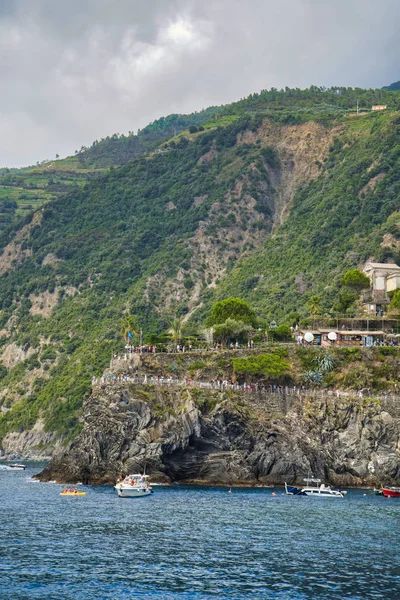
(379, 107)
(343, 337)
(385, 278)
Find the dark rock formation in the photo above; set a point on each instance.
(224, 437)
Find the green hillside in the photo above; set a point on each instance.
(270, 199)
(348, 214)
(393, 87)
(25, 190)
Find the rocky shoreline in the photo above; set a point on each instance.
(222, 438)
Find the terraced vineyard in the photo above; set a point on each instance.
(24, 190)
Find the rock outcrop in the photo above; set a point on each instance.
(211, 436)
(32, 444)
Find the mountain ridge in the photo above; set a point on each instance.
(270, 200)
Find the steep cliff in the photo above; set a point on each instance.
(227, 437)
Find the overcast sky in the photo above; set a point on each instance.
(73, 71)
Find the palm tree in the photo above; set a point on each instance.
(176, 329)
(314, 306)
(128, 325)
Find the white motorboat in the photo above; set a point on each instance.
(316, 491)
(13, 467)
(134, 486)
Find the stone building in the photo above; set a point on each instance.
(385, 278)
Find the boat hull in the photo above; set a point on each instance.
(291, 490)
(391, 492)
(72, 493)
(321, 494)
(133, 493)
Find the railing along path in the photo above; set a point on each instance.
(255, 390)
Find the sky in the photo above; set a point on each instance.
(73, 71)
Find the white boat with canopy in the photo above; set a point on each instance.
(134, 486)
(316, 491)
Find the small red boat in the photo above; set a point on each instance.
(391, 492)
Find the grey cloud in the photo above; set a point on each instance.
(75, 71)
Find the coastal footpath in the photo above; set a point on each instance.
(188, 434)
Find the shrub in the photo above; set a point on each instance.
(271, 366)
(313, 377)
(48, 354)
(358, 377)
(325, 363)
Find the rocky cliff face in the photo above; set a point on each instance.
(224, 437)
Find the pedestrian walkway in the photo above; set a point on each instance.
(245, 388)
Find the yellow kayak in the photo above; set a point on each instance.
(72, 493)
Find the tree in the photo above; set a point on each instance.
(293, 319)
(176, 329)
(346, 299)
(314, 305)
(231, 331)
(128, 326)
(3, 371)
(282, 333)
(395, 303)
(356, 280)
(231, 308)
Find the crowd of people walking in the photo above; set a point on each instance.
(229, 384)
(217, 384)
(178, 348)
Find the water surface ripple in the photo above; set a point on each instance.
(187, 542)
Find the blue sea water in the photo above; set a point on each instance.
(194, 542)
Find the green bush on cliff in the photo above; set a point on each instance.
(325, 363)
(270, 366)
(358, 377)
(313, 377)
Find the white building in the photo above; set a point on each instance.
(385, 278)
